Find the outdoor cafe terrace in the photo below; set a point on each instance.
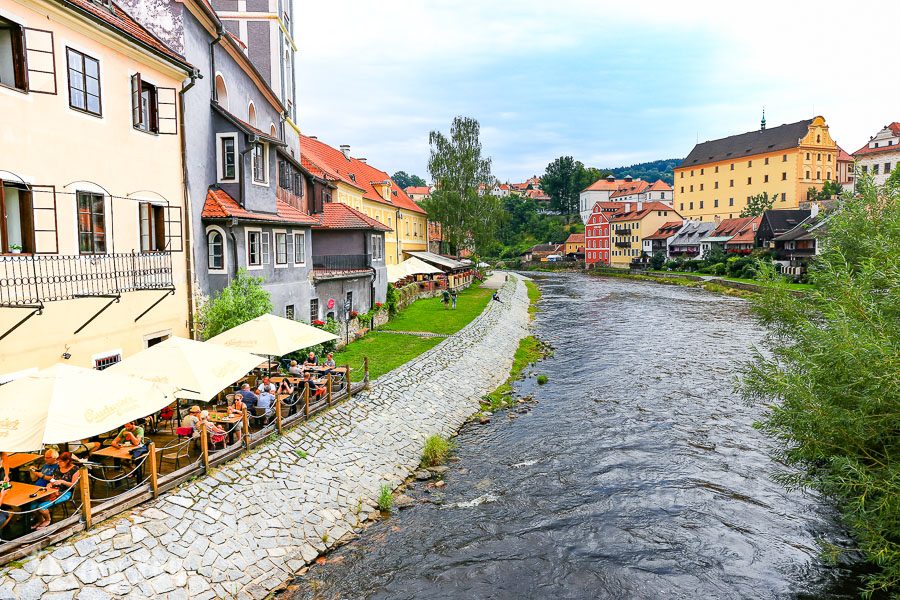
(169, 413)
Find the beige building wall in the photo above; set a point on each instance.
(48, 144)
(633, 233)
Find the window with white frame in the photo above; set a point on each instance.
(377, 247)
(299, 248)
(281, 248)
(260, 161)
(226, 157)
(257, 248)
(215, 250)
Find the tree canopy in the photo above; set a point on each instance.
(404, 180)
(832, 380)
(758, 204)
(458, 168)
(242, 300)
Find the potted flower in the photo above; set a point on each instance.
(319, 323)
(354, 314)
(378, 305)
(15, 248)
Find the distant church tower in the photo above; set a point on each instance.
(266, 27)
(762, 124)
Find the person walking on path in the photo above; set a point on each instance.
(453, 298)
(445, 298)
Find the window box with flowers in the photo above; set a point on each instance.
(319, 323)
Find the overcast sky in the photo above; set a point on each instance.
(608, 83)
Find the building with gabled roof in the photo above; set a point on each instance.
(599, 191)
(688, 242)
(776, 222)
(632, 224)
(881, 154)
(744, 241)
(658, 241)
(574, 245)
(372, 192)
(718, 177)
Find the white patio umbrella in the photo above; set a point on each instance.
(64, 403)
(270, 335)
(196, 370)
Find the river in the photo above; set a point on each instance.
(636, 474)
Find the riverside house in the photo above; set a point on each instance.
(727, 229)
(776, 222)
(599, 191)
(718, 177)
(372, 192)
(659, 240)
(574, 245)
(596, 233)
(630, 226)
(881, 154)
(93, 264)
(688, 242)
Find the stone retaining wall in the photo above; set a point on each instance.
(246, 528)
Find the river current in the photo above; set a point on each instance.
(636, 474)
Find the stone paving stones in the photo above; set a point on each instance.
(270, 509)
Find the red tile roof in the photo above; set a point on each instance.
(843, 156)
(667, 230)
(219, 205)
(731, 227)
(341, 216)
(647, 208)
(575, 238)
(895, 129)
(660, 186)
(418, 189)
(747, 233)
(354, 172)
(626, 189)
(120, 21)
(604, 185)
(608, 207)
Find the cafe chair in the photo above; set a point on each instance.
(182, 450)
(260, 416)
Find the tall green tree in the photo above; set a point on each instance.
(404, 180)
(832, 380)
(458, 168)
(242, 300)
(758, 204)
(562, 181)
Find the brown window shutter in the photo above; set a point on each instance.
(39, 68)
(174, 238)
(137, 115)
(43, 219)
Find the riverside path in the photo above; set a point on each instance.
(244, 529)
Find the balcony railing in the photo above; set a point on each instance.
(337, 265)
(35, 279)
(623, 231)
(623, 244)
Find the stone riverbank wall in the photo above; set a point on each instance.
(246, 528)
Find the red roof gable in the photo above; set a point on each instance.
(604, 185)
(219, 205)
(747, 233)
(122, 22)
(354, 172)
(731, 226)
(647, 208)
(635, 187)
(667, 230)
(423, 190)
(341, 216)
(660, 186)
(895, 129)
(843, 156)
(575, 238)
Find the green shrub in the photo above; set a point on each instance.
(542, 379)
(392, 299)
(385, 498)
(435, 451)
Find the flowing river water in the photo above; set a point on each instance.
(637, 474)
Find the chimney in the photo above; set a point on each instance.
(313, 137)
(640, 206)
(362, 160)
(345, 150)
(814, 209)
(628, 207)
(629, 178)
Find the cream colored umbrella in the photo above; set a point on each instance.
(196, 370)
(270, 335)
(415, 266)
(64, 403)
(396, 272)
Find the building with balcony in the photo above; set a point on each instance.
(632, 224)
(718, 177)
(881, 154)
(658, 241)
(372, 192)
(597, 235)
(599, 191)
(93, 264)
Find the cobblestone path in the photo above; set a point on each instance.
(245, 529)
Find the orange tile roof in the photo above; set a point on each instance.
(667, 230)
(121, 21)
(747, 233)
(731, 226)
(843, 156)
(418, 189)
(895, 129)
(575, 238)
(354, 172)
(660, 186)
(604, 185)
(219, 205)
(647, 208)
(626, 189)
(341, 216)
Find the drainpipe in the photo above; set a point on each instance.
(234, 253)
(241, 183)
(220, 33)
(188, 212)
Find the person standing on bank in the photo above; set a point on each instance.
(445, 298)
(453, 298)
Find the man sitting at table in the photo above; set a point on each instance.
(266, 386)
(43, 476)
(131, 434)
(329, 361)
(247, 396)
(265, 400)
(311, 360)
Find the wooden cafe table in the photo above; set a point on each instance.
(19, 459)
(21, 495)
(121, 453)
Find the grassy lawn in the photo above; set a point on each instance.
(790, 286)
(534, 294)
(429, 314)
(386, 351)
(530, 351)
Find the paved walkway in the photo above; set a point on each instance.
(249, 526)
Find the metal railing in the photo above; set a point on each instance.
(334, 265)
(35, 279)
(623, 244)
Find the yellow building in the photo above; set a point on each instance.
(92, 263)
(632, 224)
(718, 177)
(371, 191)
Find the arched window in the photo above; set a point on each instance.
(221, 91)
(215, 248)
(251, 115)
(818, 139)
(272, 131)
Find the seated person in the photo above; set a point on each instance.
(192, 420)
(216, 433)
(295, 369)
(65, 479)
(496, 297)
(41, 477)
(266, 386)
(131, 434)
(329, 361)
(285, 387)
(313, 384)
(265, 400)
(247, 396)
(237, 405)
(311, 360)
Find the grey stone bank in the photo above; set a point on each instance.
(246, 528)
